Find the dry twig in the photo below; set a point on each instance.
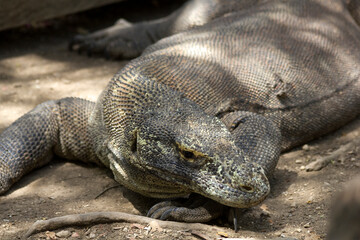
(324, 161)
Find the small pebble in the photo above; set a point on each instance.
(147, 230)
(92, 235)
(306, 147)
(75, 235)
(298, 161)
(63, 234)
(307, 225)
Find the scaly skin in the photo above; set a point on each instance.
(165, 137)
(207, 110)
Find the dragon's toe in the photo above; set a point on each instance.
(196, 209)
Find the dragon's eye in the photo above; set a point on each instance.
(191, 155)
(188, 154)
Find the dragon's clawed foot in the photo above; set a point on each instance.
(195, 209)
(122, 40)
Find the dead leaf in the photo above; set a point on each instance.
(223, 234)
(155, 226)
(264, 207)
(50, 235)
(136, 225)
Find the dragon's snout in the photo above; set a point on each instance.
(242, 186)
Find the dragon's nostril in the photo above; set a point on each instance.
(246, 188)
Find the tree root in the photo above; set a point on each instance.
(108, 217)
(324, 161)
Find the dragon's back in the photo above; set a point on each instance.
(294, 65)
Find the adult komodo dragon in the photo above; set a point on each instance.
(208, 109)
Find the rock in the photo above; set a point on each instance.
(63, 234)
(306, 147)
(75, 235)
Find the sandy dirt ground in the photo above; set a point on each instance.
(36, 66)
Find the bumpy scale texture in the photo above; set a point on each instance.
(207, 110)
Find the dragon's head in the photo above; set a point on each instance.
(186, 147)
(160, 133)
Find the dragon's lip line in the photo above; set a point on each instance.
(219, 191)
(226, 189)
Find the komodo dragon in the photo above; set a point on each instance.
(208, 109)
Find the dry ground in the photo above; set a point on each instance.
(35, 66)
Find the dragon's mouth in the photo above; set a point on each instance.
(244, 188)
(234, 197)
